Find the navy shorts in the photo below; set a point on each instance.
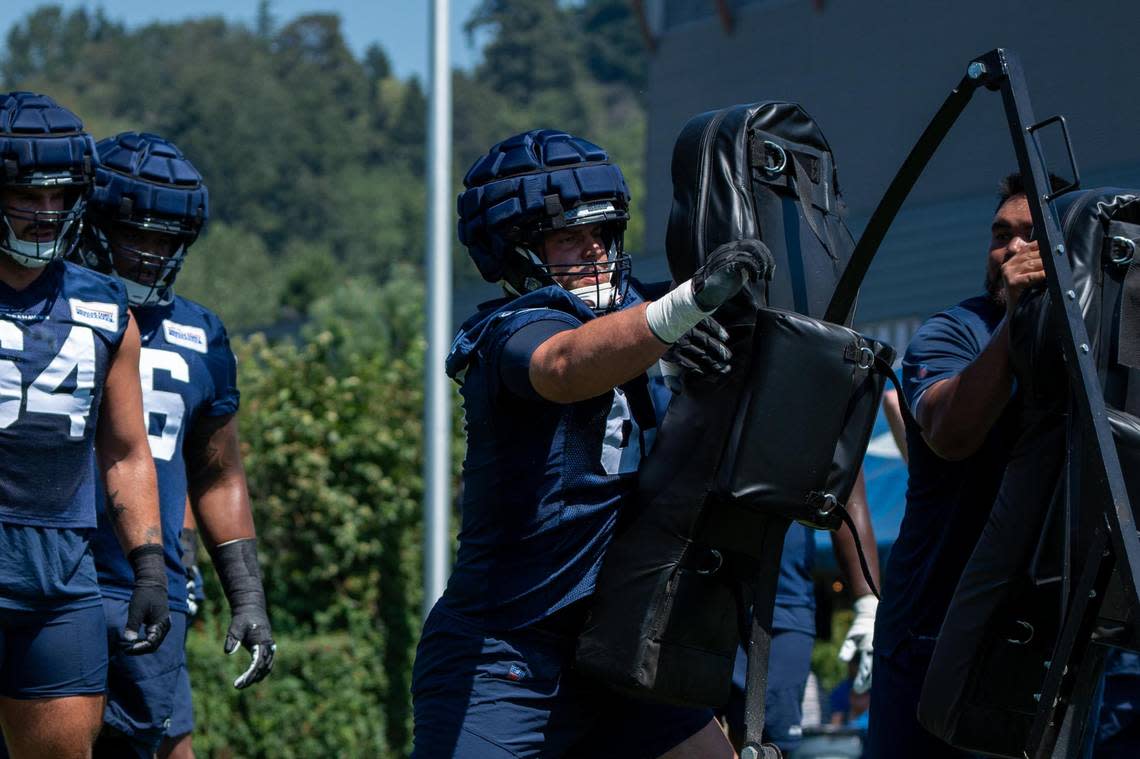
(141, 689)
(49, 654)
(182, 720)
(789, 663)
(894, 731)
(480, 695)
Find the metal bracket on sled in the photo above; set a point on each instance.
(1114, 539)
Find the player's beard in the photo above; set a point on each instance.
(994, 287)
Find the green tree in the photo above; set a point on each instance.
(49, 39)
(229, 271)
(533, 58)
(611, 40)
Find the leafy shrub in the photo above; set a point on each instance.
(331, 432)
(324, 699)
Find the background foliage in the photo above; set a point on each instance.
(332, 433)
(314, 158)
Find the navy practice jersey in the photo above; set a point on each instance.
(947, 502)
(188, 371)
(57, 339)
(542, 482)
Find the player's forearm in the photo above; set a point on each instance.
(957, 414)
(188, 522)
(223, 511)
(596, 357)
(843, 543)
(893, 412)
(216, 482)
(132, 502)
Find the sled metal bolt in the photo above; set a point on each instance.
(1092, 593)
(1084, 347)
(1072, 294)
(976, 70)
(749, 752)
(1037, 697)
(1048, 664)
(1059, 250)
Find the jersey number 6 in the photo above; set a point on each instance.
(163, 402)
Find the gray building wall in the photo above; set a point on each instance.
(873, 73)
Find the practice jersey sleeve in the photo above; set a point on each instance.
(508, 370)
(942, 348)
(222, 365)
(514, 360)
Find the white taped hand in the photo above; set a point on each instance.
(861, 640)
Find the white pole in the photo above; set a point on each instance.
(437, 399)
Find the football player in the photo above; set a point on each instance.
(69, 384)
(148, 206)
(558, 417)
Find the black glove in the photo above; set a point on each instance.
(727, 269)
(149, 606)
(702, 351)
(195, 593)
(238, 570)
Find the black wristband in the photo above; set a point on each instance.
(149, 564)
(188, 541)
(239, 572)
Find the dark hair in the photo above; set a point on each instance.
(1013, 184)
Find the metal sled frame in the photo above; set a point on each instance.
(1098, 498)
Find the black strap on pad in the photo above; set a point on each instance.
(640, 402)
(866, 569)
(1122, 241)
(802, 184)
(763, 597)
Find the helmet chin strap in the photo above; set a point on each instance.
(599, 297)
(31, 255)
(35, 255)
(147, 295)
(139, 294)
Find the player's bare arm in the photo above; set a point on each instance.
(132, 494)
(219, 498)
(859, 640)
(603, 353)
(596, 357)
(123, 452)
(957, 413)
(219, 495)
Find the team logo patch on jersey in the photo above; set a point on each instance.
(95, 314)
(185, 336)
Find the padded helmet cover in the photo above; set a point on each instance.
(43, 145)
(144, 175)
(144, 181)
(37, 135)
(524, 185)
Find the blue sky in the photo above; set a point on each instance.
(400, 26)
